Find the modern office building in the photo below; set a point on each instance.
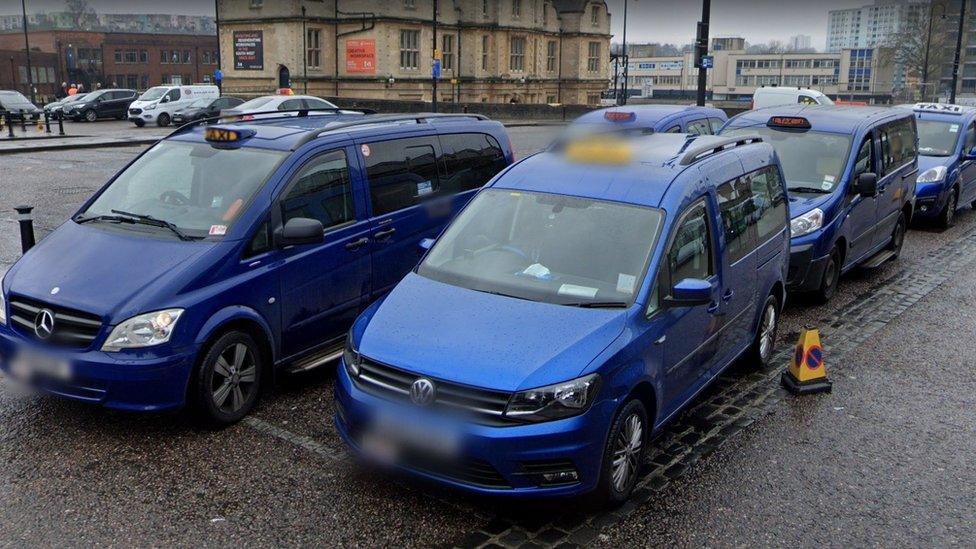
(497, 51)
(801, 42)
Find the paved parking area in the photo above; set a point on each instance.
(883, 460)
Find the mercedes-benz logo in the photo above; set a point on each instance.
(44, 324)
(422, 392)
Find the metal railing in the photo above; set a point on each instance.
(9, 120)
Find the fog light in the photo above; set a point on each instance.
(560, 477)
(923, 208)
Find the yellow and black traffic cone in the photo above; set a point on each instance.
(807, 373)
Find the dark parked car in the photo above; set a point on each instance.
(18, 105)
(205, 107)
(101, 104)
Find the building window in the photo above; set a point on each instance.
(593, 57)
(516, 61)
(447, 45)
(118, 56)
(143, 56)
(131, 56)
(186, 57)
(145, 82)
(551, 56)
(314, 53)
(410, 4)
(409, 49)
(516, 8)
(595, 16)
(484, 52)
(255, 4)
(545, 13)
(484, 8)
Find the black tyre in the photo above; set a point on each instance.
(91, 115)
(764, 342)
(830, 278)
(898, 235)
(947, 217)
(623, 456)
(139, 123)
(163, 120)
(227, 383)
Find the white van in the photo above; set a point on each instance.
(776, 96)
(159, 103)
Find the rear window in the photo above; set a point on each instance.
(401, 172)
(470, 161)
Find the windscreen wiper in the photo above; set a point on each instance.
(110, 218)
(150, 220)
(599, 304)
(808, 190)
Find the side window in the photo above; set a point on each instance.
(690, 255)
(321, 191)
(907, 139)
(768, 202)
(865, 158)
(806, 100)
(290, 105)
(970, 139)
(173, 95)
(673, 129)
(315, 104)
(716, 124)
(699, 127)
(401, 173)
(261, 241)
(887, 158)
(735, 203)
(470, 161)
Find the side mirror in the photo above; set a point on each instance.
(425, 244)
(867, 185)
(165, 99)
(690, 292)
(301, 230)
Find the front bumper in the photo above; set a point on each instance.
(496, 460)
(806, 270)
(122, 381)
(930, 199)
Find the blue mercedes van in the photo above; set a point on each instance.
(946, 160)
(577, 304)
(232, 250)
(851, 175)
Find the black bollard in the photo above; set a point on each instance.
(10, 124)
(47, 122)
(23, 121)
(26, 227)
(60, 122)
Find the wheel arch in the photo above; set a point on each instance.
(246, 320)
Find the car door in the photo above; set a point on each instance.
(698, 127)
(323, 286)
(407, 203)
(861, 212)
(738, 214)
(898, 154)
(967, 168)
(691, 333)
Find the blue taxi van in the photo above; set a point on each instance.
(232, 250)
(851, 175)
(651, 119)
(582, 298)
(946, 160)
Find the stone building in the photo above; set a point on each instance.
(494, 51)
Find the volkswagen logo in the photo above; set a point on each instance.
(422, 392)
(44, 324)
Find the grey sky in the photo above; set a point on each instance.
(756, 20)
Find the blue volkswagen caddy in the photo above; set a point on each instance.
(575, 306)
(227, 252)
(946, 160)
(851, 174)
(650, 119)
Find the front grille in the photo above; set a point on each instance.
(71, 328)
(135, 111)
(483, 406)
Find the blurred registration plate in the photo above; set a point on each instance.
(387, 439)
(30, 365)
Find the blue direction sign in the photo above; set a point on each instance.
(707, 62)
(218, 75)
(436, 68)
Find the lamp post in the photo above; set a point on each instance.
(626, 60)
(305, 51)
(30, 79)
(434, 61)
(955, 62)
(928, 44)
(702, 51)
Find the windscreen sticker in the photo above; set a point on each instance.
(218, 230)
(954, 128)
(577, 291)
(829, 178)
(217, 202)
(826, 185)
(626, 283)
(538, 271)
(424, 187)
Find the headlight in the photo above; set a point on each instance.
(932, 175)
(144, 330)
(806, 223)
(554, 401)
(149, 107)
(351, 357)
(3, 304)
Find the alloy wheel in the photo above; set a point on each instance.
(627, 451)
(767, 332)
(235, 374)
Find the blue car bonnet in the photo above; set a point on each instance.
(99, 270)
(803, 203)
(485, 340)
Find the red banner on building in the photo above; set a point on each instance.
(361, 56)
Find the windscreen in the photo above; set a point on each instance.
(812, 161)
(936, 138)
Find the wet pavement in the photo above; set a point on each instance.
(883, 460)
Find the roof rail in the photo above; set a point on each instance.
(418, 118)
(716, 145)
(281, 114)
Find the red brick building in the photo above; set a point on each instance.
(13, 73)
(125, 60)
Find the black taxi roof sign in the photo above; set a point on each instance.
(797, 122)
(941, 108)
(226, 135)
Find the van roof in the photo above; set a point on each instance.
(788, 89)
(826, 118)
(647, 115)
(657, 162)
(295, 128)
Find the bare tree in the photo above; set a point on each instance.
(82, 13)
(907, 49)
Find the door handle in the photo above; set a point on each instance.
(379, 235)
(712, 307)
(728, 295)
(356, 244)
(661, 340)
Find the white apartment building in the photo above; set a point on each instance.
(872, 25)
(801, 42)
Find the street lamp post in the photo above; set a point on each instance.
(30, 79)
(928, 44)
(626, 60)
(702, 51)
(434, 60)
(955, 62)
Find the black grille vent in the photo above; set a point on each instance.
(71, 328)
